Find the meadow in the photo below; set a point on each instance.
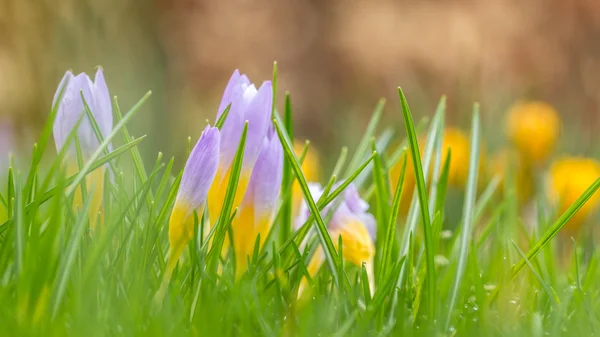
(411, 233)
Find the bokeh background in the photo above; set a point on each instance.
(336, 57)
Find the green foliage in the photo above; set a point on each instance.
(60, 277)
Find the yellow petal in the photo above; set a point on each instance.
(310, 169)
(216, 194)
(533, 127)
(569, 178)
(246, 228)
(94, 182)
(316, 261)
(357, 245)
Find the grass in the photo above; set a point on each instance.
(486, 275)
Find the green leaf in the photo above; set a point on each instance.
(556, 227)
(422, 193)
(363, 146)
(105, 143)
(468, 215)
(390, 229)
(223, 222)
(221, 121)
(547, 287)
(381, 186)
(321, 228)
(288, 178)
(66, 264)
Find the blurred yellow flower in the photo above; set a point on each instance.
(311, 170)
(533, 127)
(458, 143)
(568, 179)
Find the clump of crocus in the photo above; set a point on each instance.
(198, 175)
(568, 178)
(207, 172)
(533, 128)
(454, 140)
(247, 104)
(70, 110)
(352, 221)
(310, 169)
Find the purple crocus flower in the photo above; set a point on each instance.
(247, 104)
(198, 175)
(260, 200)
(207, 172)
(352, 222)
(70, 109)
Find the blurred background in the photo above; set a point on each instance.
(337, 58)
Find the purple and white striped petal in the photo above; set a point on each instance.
(71, 108)
(351, 208)
(231, 130)
(315, 191)
(265, 182)
(228, 94)
(69, 111)
(258, 115)
(102, 105)
(200, 169)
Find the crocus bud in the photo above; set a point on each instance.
(70, 109)
(198, 175)
(353, 223)
(247, 104)
(260, 200)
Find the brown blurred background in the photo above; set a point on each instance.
(337, 58)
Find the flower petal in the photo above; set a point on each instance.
(229, 94)
(70, 110)
(265, 182)
(102, 105)
(61, 122)
(65, 80)
(315, 191)
(258, 115)
(355, 203)
(200, 169)
(231, 130)
(358, 247)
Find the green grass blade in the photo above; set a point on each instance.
(321, 228)
(68, 259)
(40, 146)
(222, 225)
(556, 227)
(19, 227)
(288, 177)
(390, 229)
(363, 146)
(381, 188)
(547, 287)
(106, 141)
(223, 117)
(468, 215)
(422, 193)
